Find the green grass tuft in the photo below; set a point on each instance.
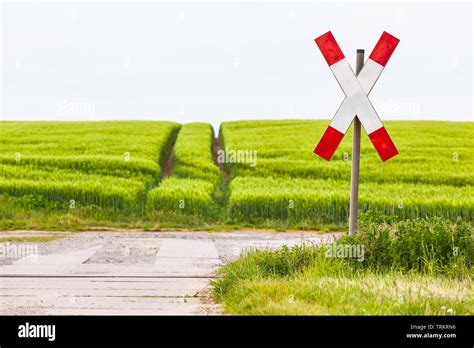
(409, 269)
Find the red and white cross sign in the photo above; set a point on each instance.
(356, 102)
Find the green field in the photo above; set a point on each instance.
(432, 175)
(78, 175)
(106, 164)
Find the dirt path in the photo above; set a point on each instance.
(168, 162)
(216, 146)
(133, 273)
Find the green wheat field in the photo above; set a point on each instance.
(153, 175)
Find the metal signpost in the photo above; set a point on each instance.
(356, 106)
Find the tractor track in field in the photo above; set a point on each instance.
(216, 146)
(168, 162)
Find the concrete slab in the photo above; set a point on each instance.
(58, 260)
(102, 283)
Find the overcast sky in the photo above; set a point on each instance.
(198, 61)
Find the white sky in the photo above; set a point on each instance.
(218, 61)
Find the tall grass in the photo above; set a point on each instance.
(430, 246)
(409, 268)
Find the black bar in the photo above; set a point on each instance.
(224, 330)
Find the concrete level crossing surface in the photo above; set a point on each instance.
(123, 273)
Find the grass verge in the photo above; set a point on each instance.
(33, 239)
(426, 278)
(15, 214)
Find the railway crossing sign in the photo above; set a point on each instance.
(356, 89)
(356, 107)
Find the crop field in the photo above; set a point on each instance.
(105, 164)
(132, 174)
(432, 176)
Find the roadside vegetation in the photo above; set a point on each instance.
(30, 239)
(413, 267)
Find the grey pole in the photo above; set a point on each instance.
(354, 202)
